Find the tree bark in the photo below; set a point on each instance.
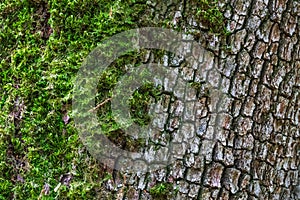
(257, 153)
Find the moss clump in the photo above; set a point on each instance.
(162, 191)
(208, 13)
(140, 103)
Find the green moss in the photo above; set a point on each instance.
(42, 46)
(140, 103)
(210, 15)
(163, 191)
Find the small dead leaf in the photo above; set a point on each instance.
(20, 178)
(46, 189)
(66, 179)
(110, 12)
(66, 118)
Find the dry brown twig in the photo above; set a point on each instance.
(100, 104)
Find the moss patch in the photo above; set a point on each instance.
(162, 191)
(42, 46)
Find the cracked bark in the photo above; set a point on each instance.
(258, 150)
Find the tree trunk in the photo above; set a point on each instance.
(257, 153)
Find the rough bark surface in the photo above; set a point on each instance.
(257, 153)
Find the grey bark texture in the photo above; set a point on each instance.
(257, 153)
